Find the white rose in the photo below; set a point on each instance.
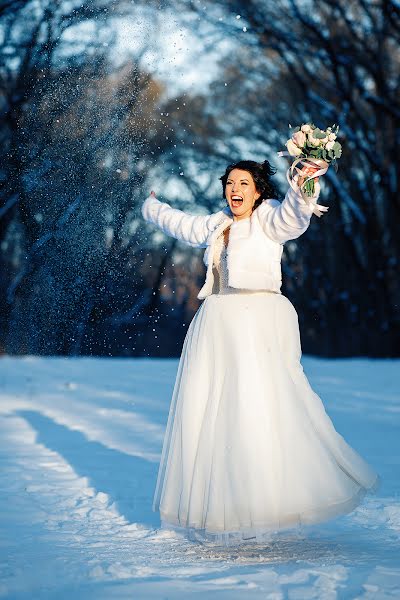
(332, 136)
(306, 128)
(314, 141)
(292, 148)
(330, 145)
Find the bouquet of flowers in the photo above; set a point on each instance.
(315, 149)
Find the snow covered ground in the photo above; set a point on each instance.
(79, 447)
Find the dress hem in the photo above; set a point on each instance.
(257, 533)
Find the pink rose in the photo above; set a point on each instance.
(299, 138)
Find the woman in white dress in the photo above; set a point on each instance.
(249, 449)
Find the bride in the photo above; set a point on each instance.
(249, 449)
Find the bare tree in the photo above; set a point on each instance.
(331, 62)
(79, 138)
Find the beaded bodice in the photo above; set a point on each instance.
(220, 270)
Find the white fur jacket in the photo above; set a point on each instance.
(255, 244)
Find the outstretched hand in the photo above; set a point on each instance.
(306, 172)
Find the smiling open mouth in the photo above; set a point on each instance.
(236, 201)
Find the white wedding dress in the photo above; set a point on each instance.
(249, 449)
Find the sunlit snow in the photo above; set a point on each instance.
(79, 449)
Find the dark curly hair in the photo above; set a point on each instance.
(261, 174)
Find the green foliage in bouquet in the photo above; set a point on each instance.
(308, 140)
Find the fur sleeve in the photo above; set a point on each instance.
(289, 219)
(191, 229)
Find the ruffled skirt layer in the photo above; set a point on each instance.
(249, 449)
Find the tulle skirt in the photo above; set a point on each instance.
(249, 450)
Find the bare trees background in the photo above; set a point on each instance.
(331, 61)
(79, 137)
(83, 140)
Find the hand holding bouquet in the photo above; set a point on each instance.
(315, 150)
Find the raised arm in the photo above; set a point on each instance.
(289, 219)
(191, 229)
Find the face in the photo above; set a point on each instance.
(241, 193)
